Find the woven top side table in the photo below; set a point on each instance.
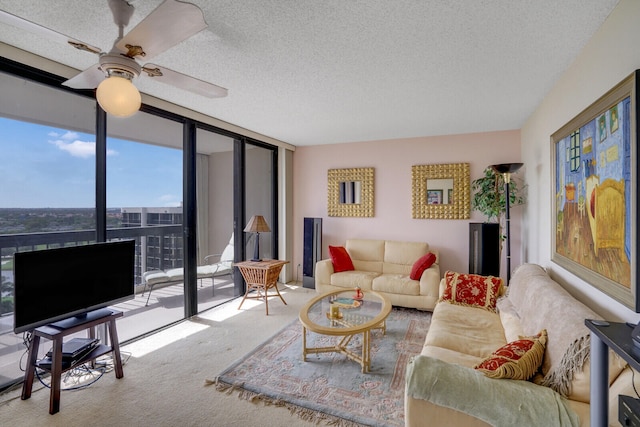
(261, 276)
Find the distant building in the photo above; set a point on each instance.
(154, 246)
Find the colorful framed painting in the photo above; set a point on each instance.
(594, 182)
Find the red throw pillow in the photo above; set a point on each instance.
(340, 259)
(517, 360)
(472, 290)
(421, 265)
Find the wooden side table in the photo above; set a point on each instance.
(261, 276)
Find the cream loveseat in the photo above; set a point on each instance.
(384, 266)
(443, 388)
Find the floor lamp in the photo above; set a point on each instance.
(257, 224)
(506, 169)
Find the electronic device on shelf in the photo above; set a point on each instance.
(76, 347)
(635, 336)
(71, 284)
(628, 411)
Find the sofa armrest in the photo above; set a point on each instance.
(324, 270)
(430, 280)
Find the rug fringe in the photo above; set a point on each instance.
(303, 413)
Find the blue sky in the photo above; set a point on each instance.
(44, 166)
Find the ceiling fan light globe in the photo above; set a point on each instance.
(118, 96)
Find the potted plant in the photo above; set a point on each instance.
(488, 195)
(488, 198)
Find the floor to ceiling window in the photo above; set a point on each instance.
(47, 171)
(72, 175)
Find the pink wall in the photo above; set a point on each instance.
(392, 161)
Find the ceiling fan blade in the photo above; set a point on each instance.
(185, 82)
(33, 28)
(169, 24)
(88, 79)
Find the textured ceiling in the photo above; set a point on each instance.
(320, 72)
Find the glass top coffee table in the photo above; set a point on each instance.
(341, 314)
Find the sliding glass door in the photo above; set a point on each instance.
(260, 198)
(214, 199)
(144, 160)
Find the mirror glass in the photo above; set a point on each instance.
(440, 191)
(350, 192)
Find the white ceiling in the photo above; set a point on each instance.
(321, 72)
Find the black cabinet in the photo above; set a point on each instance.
(312, 250)
(484, 248)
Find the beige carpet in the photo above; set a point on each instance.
(164, 379)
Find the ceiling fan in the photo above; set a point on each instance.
(172, 22)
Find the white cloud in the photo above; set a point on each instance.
(77, 148)
(70, 136)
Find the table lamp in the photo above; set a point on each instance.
(257, 224)
(506, 169)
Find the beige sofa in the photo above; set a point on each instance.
(384, 266)
(443, 387)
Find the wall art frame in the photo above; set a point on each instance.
(594, 216)
(459, 201)
(365, 206)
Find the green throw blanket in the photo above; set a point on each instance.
(499, 402)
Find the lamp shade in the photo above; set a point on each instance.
(257, 224)
(118, 96)
(507, 167)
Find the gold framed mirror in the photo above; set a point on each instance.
(350, 192)
(441, 191)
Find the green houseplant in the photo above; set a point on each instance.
(489, 197)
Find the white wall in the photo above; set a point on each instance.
(610, 56)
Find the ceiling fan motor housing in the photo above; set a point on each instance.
(119, 65)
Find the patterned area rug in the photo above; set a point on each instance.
(329, 386)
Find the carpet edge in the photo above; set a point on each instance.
(303, 413)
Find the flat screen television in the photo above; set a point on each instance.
(53, 285)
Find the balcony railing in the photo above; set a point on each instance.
(148, 256)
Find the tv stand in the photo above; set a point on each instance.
(56, 335)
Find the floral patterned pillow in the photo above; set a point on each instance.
(472, 290)
(517, 360)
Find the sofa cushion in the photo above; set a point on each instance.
(451, 356)
(353, 279)
(340, 259)
(367, 255)
(516, 360)
(472, 290)
(421, 265)
(396, 284)
(399, 257)
(468, 330)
